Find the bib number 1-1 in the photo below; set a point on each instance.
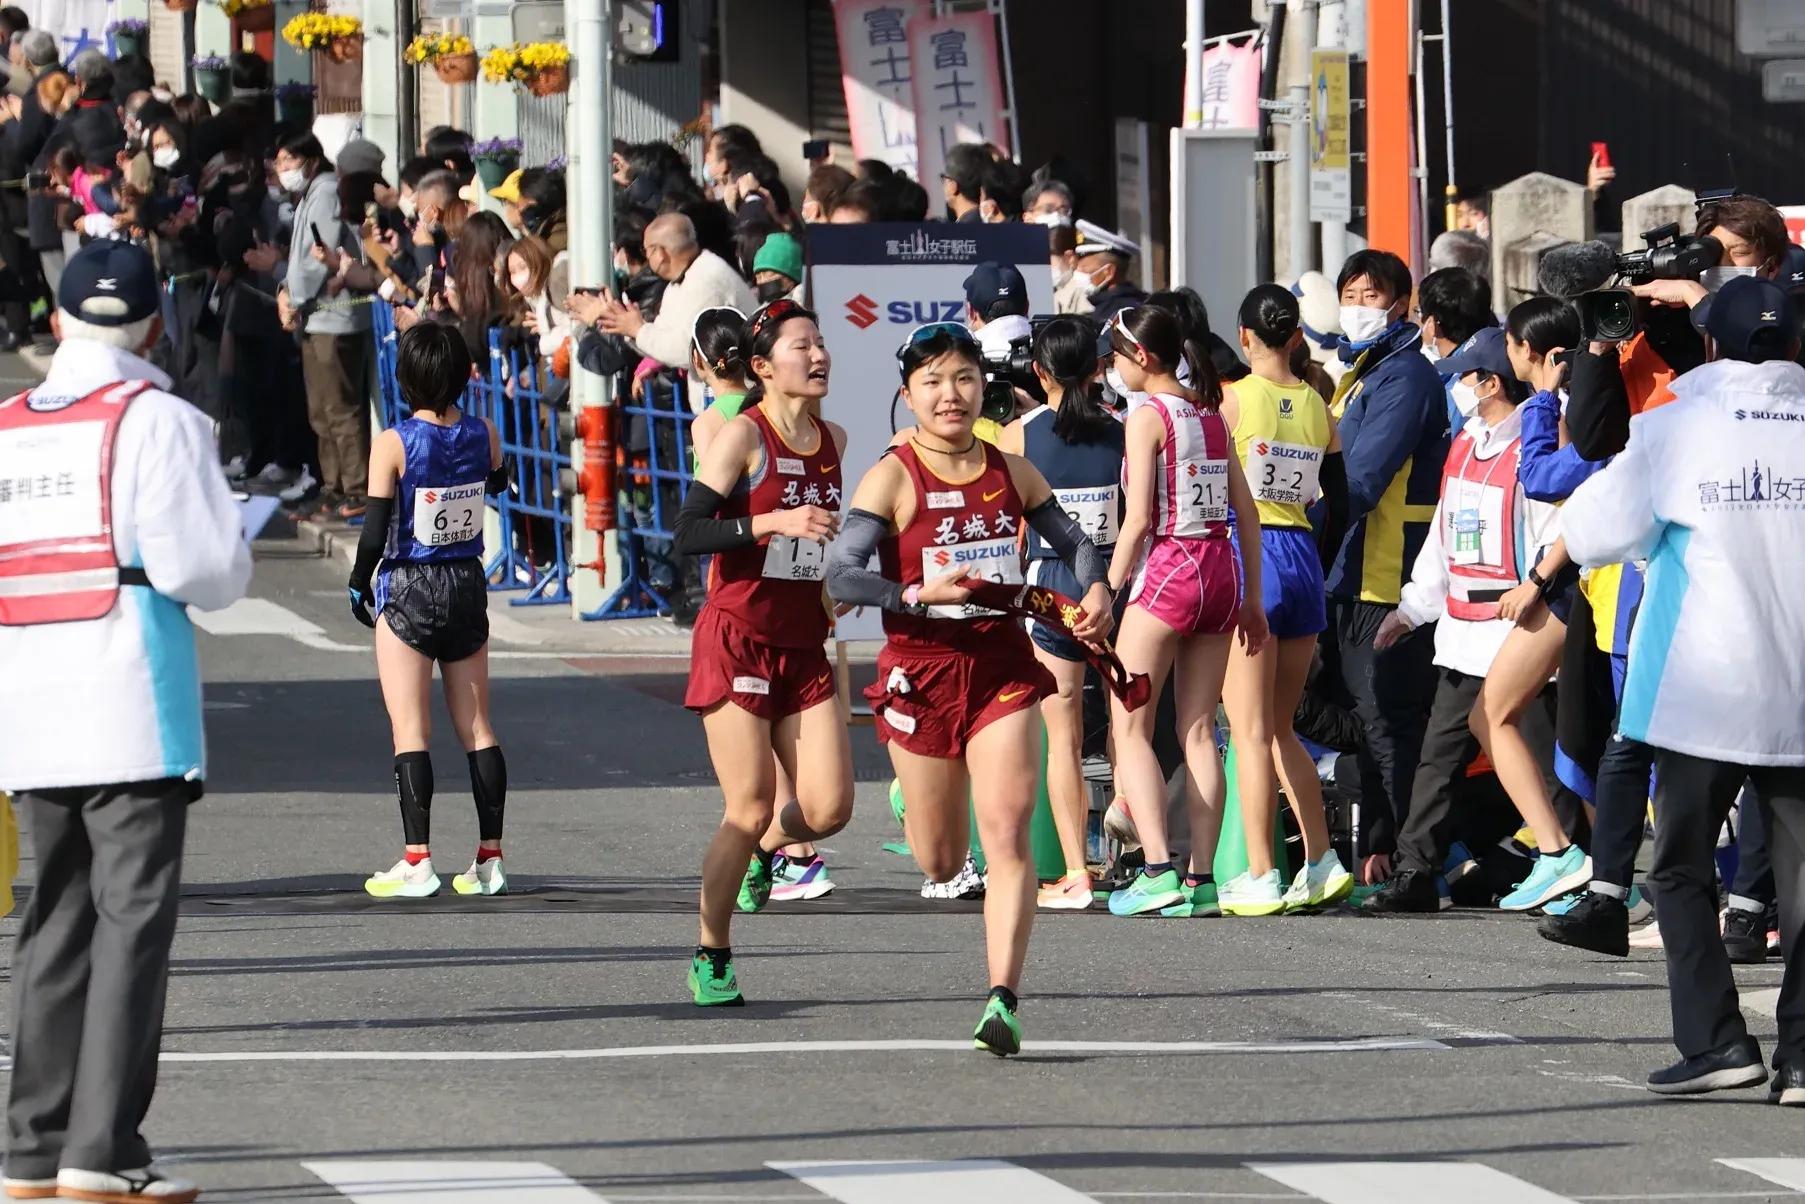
(788, 558)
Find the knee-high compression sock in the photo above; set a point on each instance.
(413, 787)
(489, 784)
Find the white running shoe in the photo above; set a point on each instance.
(1245, 895)
(123, 1187)
(968, 883)
(482, 878)
(404, 881)
(300, 488)
(1319, 884)
(1119, 825)
(1647, 937)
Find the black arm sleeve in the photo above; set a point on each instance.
(1333, 483)
(849, 577)
(1598, 405)
(498, 479)
(699, 532)
(370, 543)
(1065, 536)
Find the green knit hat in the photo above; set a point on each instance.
(781, 253)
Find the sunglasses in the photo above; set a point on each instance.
(774, 314)
(934, 330)
(1118, 325)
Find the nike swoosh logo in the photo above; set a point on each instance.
(1011, 696)
(991, 497)
(823, 679)
(829, 467)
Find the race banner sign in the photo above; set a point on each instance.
(875, 71)
(958, 88)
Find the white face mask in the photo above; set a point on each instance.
(410, 208)
(1431, 352)
(1466, 398)
(1364, 323)
(1054, 219)
(1090, 282)
(293, 180)
(1061, 274)
(165, 157)
(1715, 278)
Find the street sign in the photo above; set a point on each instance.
(1767, 28)
(1331, 174)
(1783, 80)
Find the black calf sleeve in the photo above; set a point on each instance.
(413, 786)
(489, 783)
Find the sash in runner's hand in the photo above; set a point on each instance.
(1050, 606)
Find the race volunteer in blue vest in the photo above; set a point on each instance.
(1709, 491)
(1482, 569)
(114, 518)
(1392, 416)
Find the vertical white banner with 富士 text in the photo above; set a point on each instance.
(875, 71)
(958, 88)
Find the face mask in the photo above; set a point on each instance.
(1715, 278)
(1054, 219)
(1431, 352)
(1363, 323)
(1465, 397)
(410, 208)
(771, 290)
(292, 180)
(1061, 274)
(165, 157)
(1091, 287)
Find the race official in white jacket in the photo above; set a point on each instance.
(114, 518)
(1711, 492)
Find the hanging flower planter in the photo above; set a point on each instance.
(294, 104)
(252, 16)
(339, 37)
(130, 36)
(496, 159)
(550, 82)
(453, 56)
(213, 77)
(542, 68)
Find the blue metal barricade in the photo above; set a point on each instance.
(533, 555)
(654, 475)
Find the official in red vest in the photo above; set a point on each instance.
(114, 518)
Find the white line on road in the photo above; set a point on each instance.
(1787, 1172)
(976, 1181)
(449, 1182)
(1360, 1045)
(1387, 1182)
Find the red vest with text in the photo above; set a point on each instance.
(57, 560)
(1479, 529)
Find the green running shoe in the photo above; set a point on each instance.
(1199, 900)
(999, 1032)
(1147, 893)
(713, 983)
(755, 887)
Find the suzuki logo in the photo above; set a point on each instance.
(942, 558)
(430, 497)
(1260, 448)
(861, 311)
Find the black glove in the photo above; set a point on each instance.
(360, 606)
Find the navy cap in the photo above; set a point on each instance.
(995, 289)
(109, 282)
(1792, 269)
(1484, 352)
(1752, 319)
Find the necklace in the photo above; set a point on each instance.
(944, 451)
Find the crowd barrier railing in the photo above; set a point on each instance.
(652, 435)
(533, 515)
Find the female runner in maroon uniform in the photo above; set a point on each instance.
(958, 687)
(765, 502)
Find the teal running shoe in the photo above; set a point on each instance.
(1146, 893)
(1553, 876)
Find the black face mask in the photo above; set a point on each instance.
(771, 290)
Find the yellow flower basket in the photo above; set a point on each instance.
(237, 8)
(543, 68)
(331, 32)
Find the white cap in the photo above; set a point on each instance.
(1094, 240)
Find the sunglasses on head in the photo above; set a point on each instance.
(934, 330)
(776, 313)
(1118, 325)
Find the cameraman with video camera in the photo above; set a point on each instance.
(996, 309)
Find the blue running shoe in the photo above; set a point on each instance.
(1146, 894)
(1553, 876)
(1564, 904)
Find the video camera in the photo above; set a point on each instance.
(1585, 274)
(1670, 256)
(1011, 370)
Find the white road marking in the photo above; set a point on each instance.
(1762, 1003)
(451, 1182)
(1440, 1028)
(1787, 1172)
(254, 616)
(1362, 1045)
(1387, 1182)
(974, 1181)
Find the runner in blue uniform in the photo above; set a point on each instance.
(428, 479)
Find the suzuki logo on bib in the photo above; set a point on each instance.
(1191, 468)
(430, 496)
(861, 311)
(942, 558)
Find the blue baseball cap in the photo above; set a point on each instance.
(995, 289)
(1752, 319)
(1484, 352)
(109, 282)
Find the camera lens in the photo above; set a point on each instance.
(1615, 317)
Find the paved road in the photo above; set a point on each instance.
(541, 1048)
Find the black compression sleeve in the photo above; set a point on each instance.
(849, 577)
(699, 532)
(371, 542)
(1333, 483)
(498, 480)
(1065, 536)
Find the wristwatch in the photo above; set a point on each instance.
(912, 598)
(1541, 582)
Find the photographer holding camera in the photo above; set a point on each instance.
(996, 309)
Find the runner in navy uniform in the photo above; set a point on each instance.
(428, 479)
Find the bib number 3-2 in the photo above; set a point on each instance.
(788, 558)
(450, 515)
(1286, 473)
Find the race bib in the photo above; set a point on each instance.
(1203, 486)
(450, 515)
(1096, 511)
(1474, 513)
(53, 489)
(989, 559)
(788, 558)
(1286, 473)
